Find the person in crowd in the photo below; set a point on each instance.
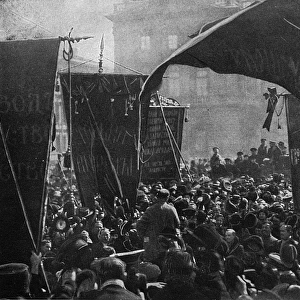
(269, 240)
(274, 154)
(282, 148)
(179, 275)
(286, 232)
(239, 159)
(111, 272)
(235, 248)
(215, 157)
(253, 168)
(156, 218)
(102, 248)
(231, 168)
(262, 151)
(253, 154)
(218, 170)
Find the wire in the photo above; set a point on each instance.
(125, 67)
(28, 20)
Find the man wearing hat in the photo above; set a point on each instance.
(274, 154)
(156, 218)
(231, 168)
(253, 154)
(239, 160)
(262, 151)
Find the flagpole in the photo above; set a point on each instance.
(168, 132)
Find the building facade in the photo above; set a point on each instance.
(227, 111)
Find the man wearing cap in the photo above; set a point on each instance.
(239, 160)
(274, 154)
(262, 151)
(253, 154)
(156, 218)
(231, 168)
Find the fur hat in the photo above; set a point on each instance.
(250, 220)
(206, 236)
(14, 280)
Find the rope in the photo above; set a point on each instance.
(28, 20)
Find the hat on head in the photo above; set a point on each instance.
(14, 280)
(235, 219)
(253, 149)
(262, 140)
(253, 243)
(214, 148)
(234, 265)
(281, 143)
(206, 236)
(288, 255)
(250, 220)
(151, 271)
(240, 153)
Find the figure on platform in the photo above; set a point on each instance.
(231, 168)
(156, 218)
(282, 148)
(262, 151)
(253, 153)
(218, 170)
(274, 154)
(215, 157)
(239, 160)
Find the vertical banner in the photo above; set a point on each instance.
(27, 71)
(158, 157)
(293, 125)
(105, 114)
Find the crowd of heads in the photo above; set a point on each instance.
(238, 237)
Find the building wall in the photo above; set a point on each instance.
(225, 110)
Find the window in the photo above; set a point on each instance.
(221, 2)
(201, 83)
(173, 41)
(174, 86)
(145, 42)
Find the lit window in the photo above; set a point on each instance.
(201, 83)
(173, 41)
(145, 42)
(174, 85)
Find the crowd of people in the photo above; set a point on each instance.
(227, 235)
(258, 162)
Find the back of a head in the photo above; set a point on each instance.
(177, 263)
(14, 280)
(111, 268)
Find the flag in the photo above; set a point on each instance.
(261, 41)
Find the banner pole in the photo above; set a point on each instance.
(170, 139)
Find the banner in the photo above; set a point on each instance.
(251, 42)
(105, 128)
(293, 125)
(28, 70)
(160, 161)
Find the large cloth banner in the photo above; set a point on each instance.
(293, 125)
(261, 41)
(27, 71)
(104, 133)
(161, 148)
